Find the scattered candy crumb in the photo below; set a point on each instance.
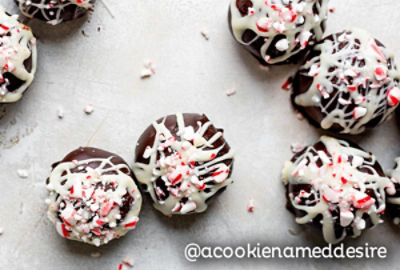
(60, 113)
(230, 92)
(120, 266)
(148, 70)
(22, 173)
(287, 85)
(250, 205)
(128, 262)
(204, 33)
(89, 109)
(331, 10)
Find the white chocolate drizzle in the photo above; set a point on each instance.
(51, 10)
(268, 18)
(17, 44)
(83, 209)
(366, 81)
(338, 183)
(192, 167)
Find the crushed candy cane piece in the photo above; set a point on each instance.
(22, 173)
(89, 109)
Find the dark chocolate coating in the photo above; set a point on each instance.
(295, 189)
(190, 119)
(68, 13)
(84, 153)
(302, 82)
(255, 47)
(393, 210)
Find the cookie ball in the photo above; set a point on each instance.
(183, 161)
(93, 197)
(349, 82)
(277, 31)
(55, 11)
(393, 195)
(18, 57)
(336, 187)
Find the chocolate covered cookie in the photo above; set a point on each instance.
(277, 31)
(18, 57)
(55, 11)
(336, 187)
(349, 82)
(93, 197)
(183, 161)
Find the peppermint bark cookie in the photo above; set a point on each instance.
(18, 57)
(277, 31)
(349, 82)
(93, 197)
(55, 11)
(336, 187)
(183, 161)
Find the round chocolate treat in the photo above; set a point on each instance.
(276, 31)
(183, 161)
(349, 82)
(93, 197)
(55, 11)
(17, 57)
(393, 195)
(337, 187)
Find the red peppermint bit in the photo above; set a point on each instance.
(4, 27)
(99, 222)
(106, 208)
(352, 88)
(71, 191)
(217, 173)
(96, 231)
(378, 51)
(201, 187)
(64, 231)
(331, 10)
(287, 85)
(213, 156)
(120, 266)
(130, 225)
(344, 180)
(324, 198)
(66, 222)
(176, 179)
(364, 200)
(88, 177)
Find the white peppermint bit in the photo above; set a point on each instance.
(282, 45)
(22, 173)
(89, 109)
(60, 112)
(230, 92)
